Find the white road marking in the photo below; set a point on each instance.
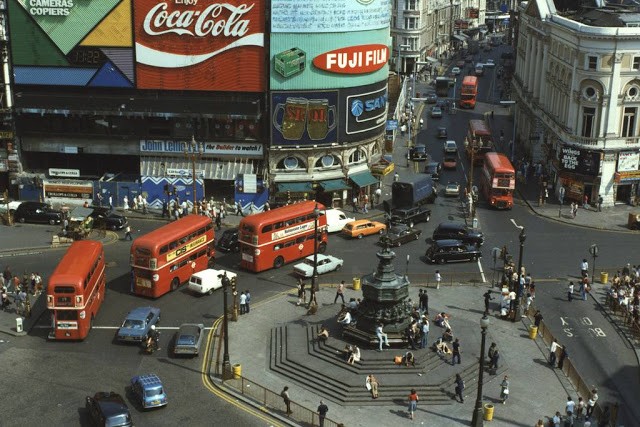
(161, 328)
(484, 280)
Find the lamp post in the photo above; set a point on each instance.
(226, 364)
(314, 278)
(513, 133)
(593, 250)
(477, 420)
(516, 309)
(193, 151)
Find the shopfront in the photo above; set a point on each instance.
(627, 178)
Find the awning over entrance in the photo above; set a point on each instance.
(363, 179)
(295, 187)
(458, 37)
(334, 185)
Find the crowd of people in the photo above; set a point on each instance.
(21, 287)
(624, 292)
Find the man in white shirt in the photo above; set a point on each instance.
(346, 319)
(552, 352)
(570, 291)
(382, 337)
(584, 268)
(243, 303)
(570, 408)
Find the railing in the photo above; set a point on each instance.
(417, 279)
(626, 316)
(274, 402)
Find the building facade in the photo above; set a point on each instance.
(577, 93)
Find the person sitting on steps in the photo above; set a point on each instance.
(409, 358)
(323, 335)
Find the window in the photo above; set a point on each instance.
(629, 122)
(411, 41)
(410, 23)
(410, 4)
(588, 121)
(636, 63)
(593, 63)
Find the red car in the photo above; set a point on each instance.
(449, 162)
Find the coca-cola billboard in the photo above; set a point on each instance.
(199, 45)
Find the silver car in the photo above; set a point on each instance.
(188, 339)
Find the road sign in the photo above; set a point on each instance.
(392, 124)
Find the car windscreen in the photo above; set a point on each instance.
(118, 420)
(133, 324)
(151, 392)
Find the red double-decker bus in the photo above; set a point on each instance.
(469, 92)
(76, 290)
(478, 139)
(498, 180)
(271, 239)
(165, 258)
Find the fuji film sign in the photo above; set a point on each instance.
(360, 59)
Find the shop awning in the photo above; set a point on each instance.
(363, 179)
(334, 185)
(294, 187)
(459, 37)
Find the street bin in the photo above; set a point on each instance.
(356, 283)
(488, 412)
(533, 332)
(604, 277)
(237, 371)
(19, 325)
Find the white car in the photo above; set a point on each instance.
(436, 112)
(326, 264)
(452, 189)
(490, 63)
(450, 147)
(207, 281)
(13, 205)
(455, 71)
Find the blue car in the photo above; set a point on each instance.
(148, 391)
(137, 324)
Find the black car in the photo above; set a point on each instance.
(442, 132)
(410, 216)
(431, 98)
(107, 218)
(442, 251)
(37, 212)
(399, 234)
(228, 241)
(458, 231)
(108, 409)
(434, 169)
(418, 153)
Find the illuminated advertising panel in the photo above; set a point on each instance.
(71, 42)
(363, 111)
(304, 118)
(199, 44)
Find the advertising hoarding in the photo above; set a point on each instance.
(172, 146)
(199, 45)
(71, 43)
(364, 111)
(329, 60)
(628, 161)
(579, 161)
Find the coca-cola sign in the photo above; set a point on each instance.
(200, 44)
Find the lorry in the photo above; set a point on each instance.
(442, 86)
(411, 192)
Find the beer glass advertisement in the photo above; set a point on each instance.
(304, 118)
(71, 43)
(329, 60)
(364, 110)
(200, 45)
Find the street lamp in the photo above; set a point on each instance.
(314, 277)
(193, 151)
(477, 420)
(226, 364)
(516, 309)
(593, 250)
(513, 133)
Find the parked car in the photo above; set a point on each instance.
(108, 409)
(489, 63)
(12, 205)
(452, 189)
(442, 132)
(450, 161)
(228, 240)
(188, 339)
(458, 231)
(418, 153)
(455, 71)
(137, 324)
(450, 147)
(108, 218)
(336, 220)
(436, 112)
(207, 281)
(148, 391)
(399, 234)
(442, 251)
(37, 212)
(326, 264)
(433, 169)
(363, 227)
(431, 98)
(410, 216)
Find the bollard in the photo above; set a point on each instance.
(19, 325)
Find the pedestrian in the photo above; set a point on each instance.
(459, 382)
(243, 303)
(365, 203)
(301, 292)
(425, 333)
(165, 209)
(570, 292)
(456, 352)
(287, 401)
(493, 365)
(591, 403)
(600, 200)
(540, 423)
(248, 302)
(382, 337)
(99, 198)
(585, 202)
(355, 204)
(585, 288)
(537, 318)
(413, 402)
(372, 385)
(218, 221)
(267, 207)
(570, 407)
(557, 419)
(552, 352)
(125, 203)
(438, 278)
(487, 298)
(423, 300)
(239, 209)
(339, 293)
(504, 389)
(575, 210)
(322, 412)
(127, 233)
(378, 194)
(492, 349)
(110, 201)
(396, 177)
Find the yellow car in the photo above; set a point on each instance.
(363, 227)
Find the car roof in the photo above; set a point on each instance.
(362, 221)
(140, 312)
(190, 328)
(148, 380)
(397, 228)
(320, 257)
(451, 224)
(212, 273)
(111, 404)
(448, 242)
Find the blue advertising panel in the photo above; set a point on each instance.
(364, 112)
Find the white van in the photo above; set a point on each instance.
(479, 69)
(207, 281)
(336, 220)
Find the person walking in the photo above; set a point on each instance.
(459, 382)
(382, 337)
(413, 402)
(339, 293)
(372, 385)
(487, 298)
(127, 233)
(493, 365)
(504, 389)
(584, 268)
(218, 221)
(537, 318)
(580, 407)
(243, 303)
(552, 352)
(570, 292)
(301, 292)
(600, 200)
(563, 355)
(355, 204)
(424, 329)
(248, 301)
(570, 407)
(423, 299)
(322, 412)
(557, 419)
(438, 278)
(591, 403)
(287, 400)
(456, 352)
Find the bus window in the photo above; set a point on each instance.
(164, 249)
(266, 228)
